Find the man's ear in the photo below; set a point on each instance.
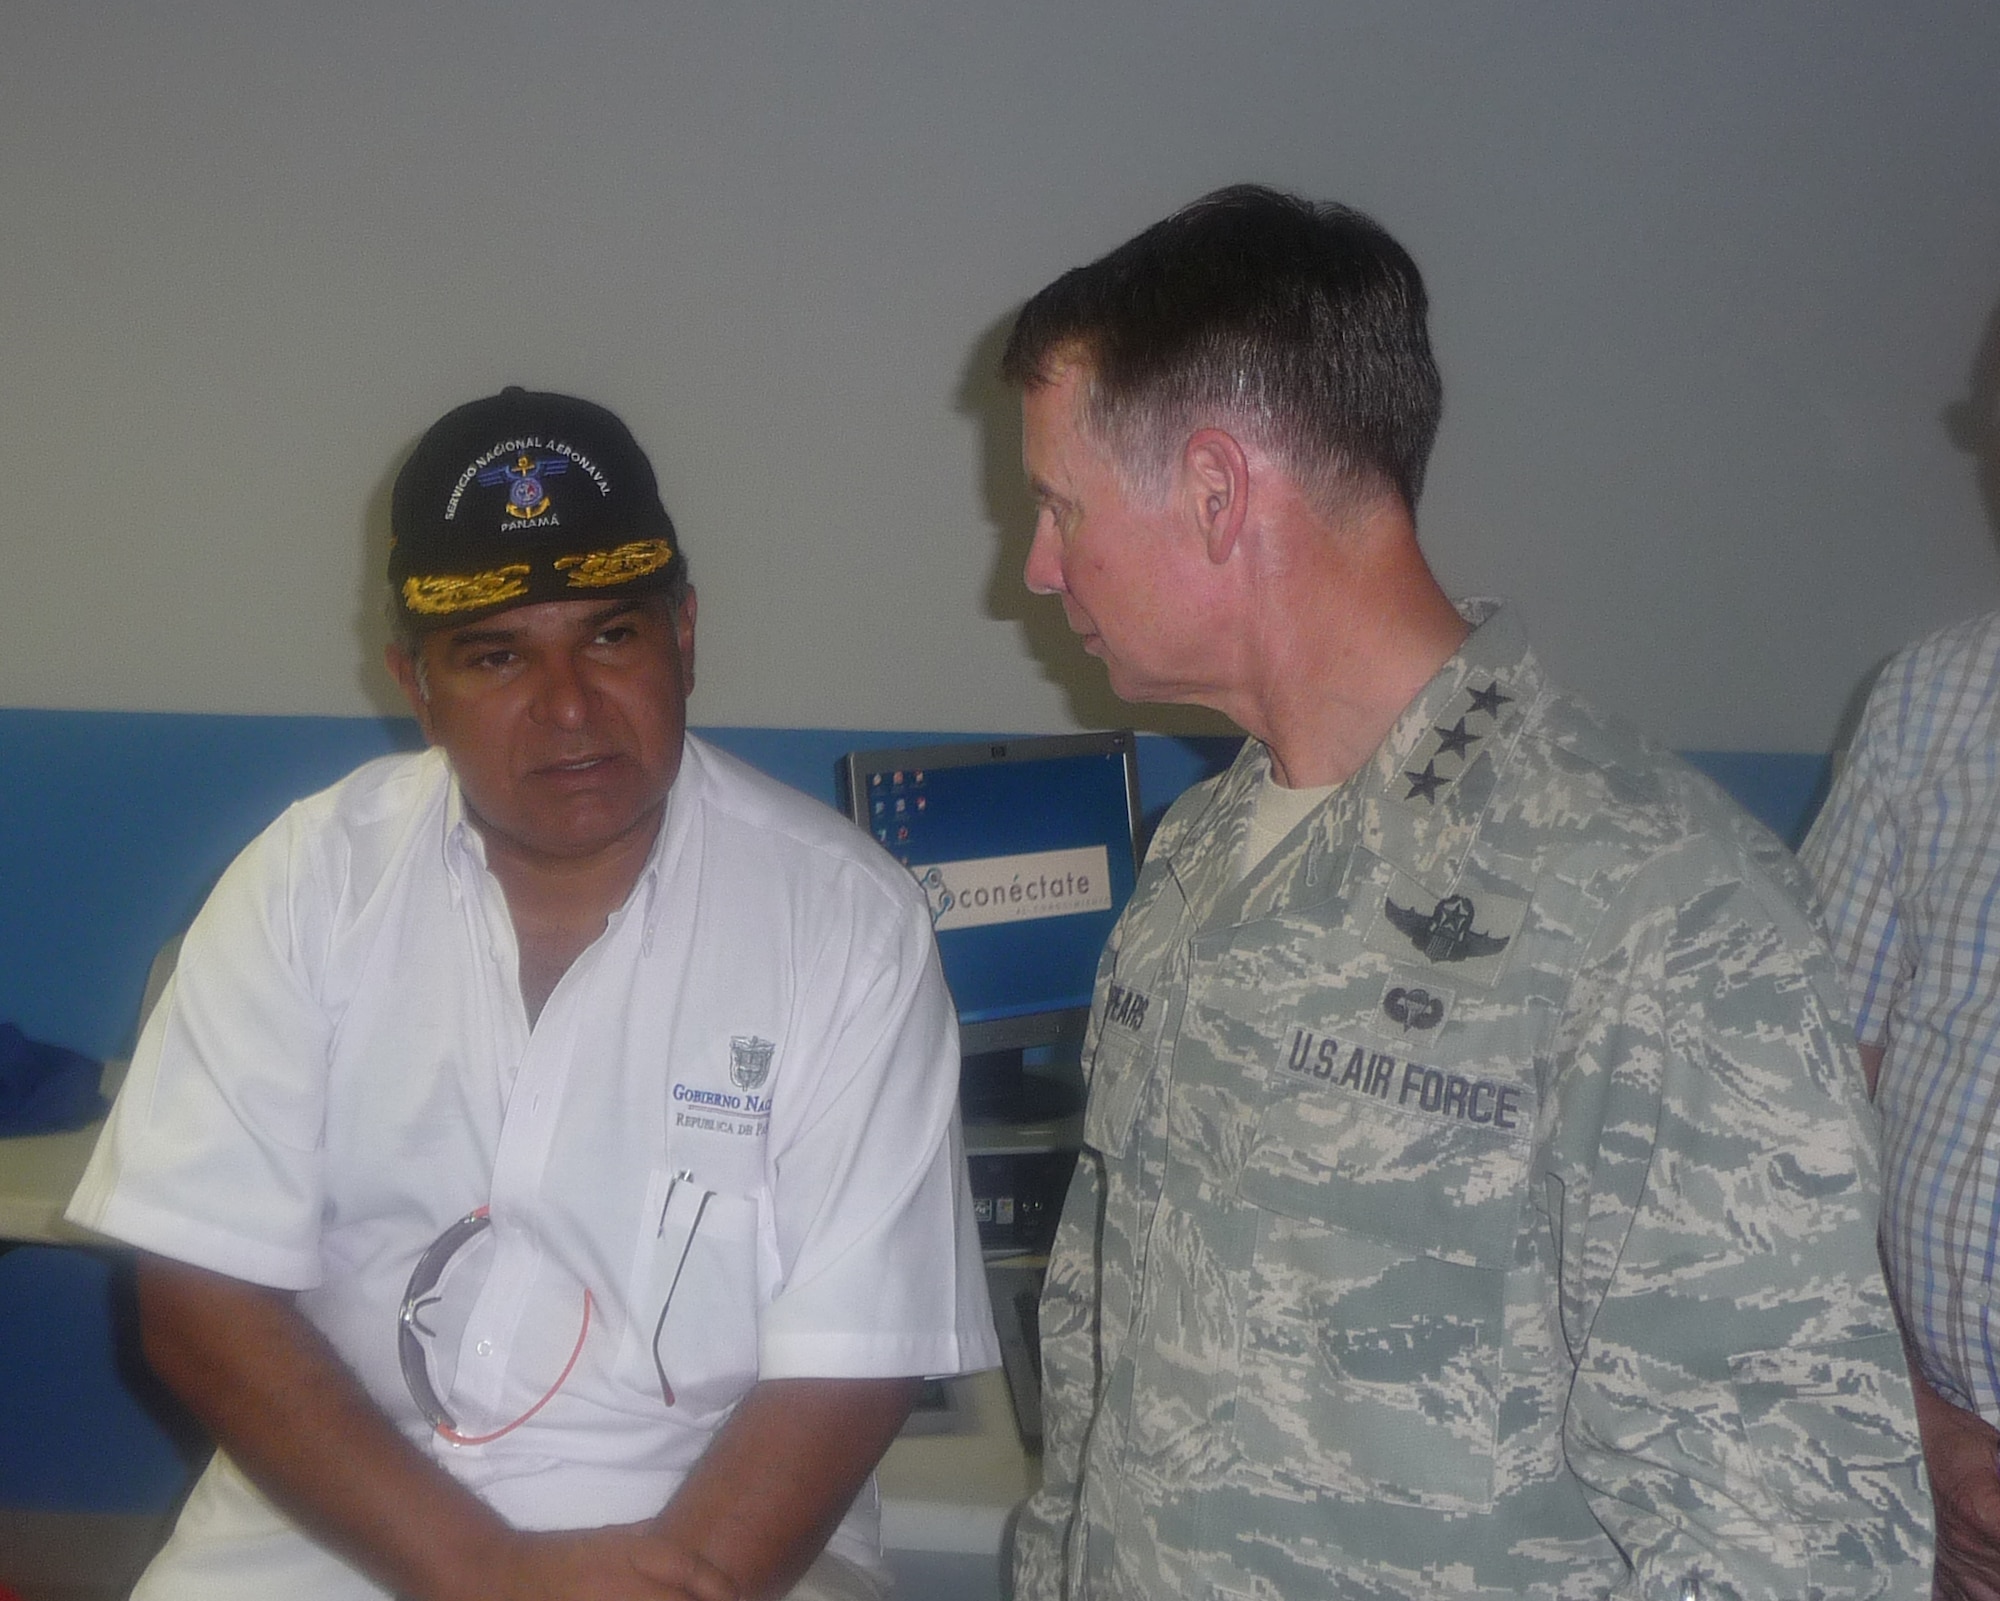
(684, 637)
(403, 668)
(1215, 474)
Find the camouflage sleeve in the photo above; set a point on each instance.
(1069, 1391)
(1741, 1414)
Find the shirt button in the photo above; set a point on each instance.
(485, 1347)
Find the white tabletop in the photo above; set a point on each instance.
(956, 1491)
(37, 1173)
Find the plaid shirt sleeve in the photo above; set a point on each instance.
(1855, 856)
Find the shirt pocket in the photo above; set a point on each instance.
(1122, 1065)
(691, 1339)
(1376, 1297)
(1140, 983)
(1124, 1056)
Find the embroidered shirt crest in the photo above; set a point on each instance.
(749, 1060)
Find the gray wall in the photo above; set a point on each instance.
(1705, 277)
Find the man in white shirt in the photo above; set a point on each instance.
(545, 1163)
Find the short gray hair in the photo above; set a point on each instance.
(1303, 322)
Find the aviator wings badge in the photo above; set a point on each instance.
(1446, 934)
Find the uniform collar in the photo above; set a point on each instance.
(1417, 801)
(1426, 789)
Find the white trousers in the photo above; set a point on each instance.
(834, 1578)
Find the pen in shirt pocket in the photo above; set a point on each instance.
(681, 1176)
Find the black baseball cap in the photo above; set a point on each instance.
(521, 497)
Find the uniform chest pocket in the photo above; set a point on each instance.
(1124, 1058)
(690, 1341)
(1117, 1080)
(1376, 1299)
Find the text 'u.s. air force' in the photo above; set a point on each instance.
(1410, 1085)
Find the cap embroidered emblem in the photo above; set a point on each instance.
(749, 1060)
(1447, 934)
(525, 495)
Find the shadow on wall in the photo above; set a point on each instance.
(996, 408)
(1973, 422)
(371, 606)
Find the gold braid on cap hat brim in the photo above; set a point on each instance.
(620, 566)
(445, 593)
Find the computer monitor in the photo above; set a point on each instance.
(1027, 850)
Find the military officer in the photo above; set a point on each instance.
(1479, 1190)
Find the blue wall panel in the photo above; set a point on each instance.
(1781, 789)
(113, 825)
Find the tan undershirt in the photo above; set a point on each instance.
(1279, 811)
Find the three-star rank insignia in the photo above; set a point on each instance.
(1454, 743)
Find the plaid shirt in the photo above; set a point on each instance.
(1907, 857)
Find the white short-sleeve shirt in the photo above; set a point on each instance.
(737, 1109)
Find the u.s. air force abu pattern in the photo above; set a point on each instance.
(1478, 1199)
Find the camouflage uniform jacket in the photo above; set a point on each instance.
(1477, 1200)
